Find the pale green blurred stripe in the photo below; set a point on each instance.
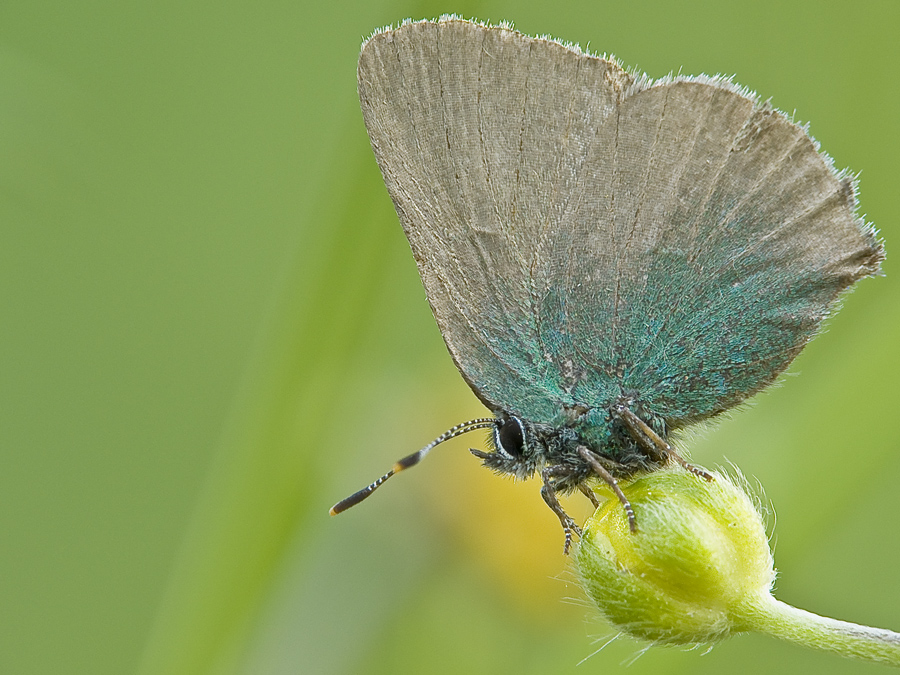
(265, 475)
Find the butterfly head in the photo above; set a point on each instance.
(519, 447)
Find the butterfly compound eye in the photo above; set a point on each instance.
(509, 437)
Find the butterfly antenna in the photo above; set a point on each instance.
(412, 460)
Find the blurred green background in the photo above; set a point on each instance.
(213, 329)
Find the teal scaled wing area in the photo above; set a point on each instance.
(585, 234)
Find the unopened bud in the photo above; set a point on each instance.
(699, 551)
(699, 569)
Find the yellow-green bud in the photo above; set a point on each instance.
(699, 569)
(699, 552)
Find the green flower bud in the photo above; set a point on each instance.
(699, 569)
(700, 549)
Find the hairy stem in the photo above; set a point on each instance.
(766, 614)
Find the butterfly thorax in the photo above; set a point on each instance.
(523, 447)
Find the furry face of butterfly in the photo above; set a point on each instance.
(523, 448)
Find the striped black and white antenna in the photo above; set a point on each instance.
(412, 460)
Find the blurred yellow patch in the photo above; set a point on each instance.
(505, 526)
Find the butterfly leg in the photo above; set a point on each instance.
(657, 448)
(548, 492)
(587, 492)
(610, 480)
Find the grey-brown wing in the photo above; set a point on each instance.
(726, 240)
(583, 235)
(475, 158)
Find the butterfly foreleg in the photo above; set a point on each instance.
(594, 462)
(587, 492)
(548, 492)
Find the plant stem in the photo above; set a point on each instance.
(769, 615)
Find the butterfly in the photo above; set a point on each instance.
(610, 258)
